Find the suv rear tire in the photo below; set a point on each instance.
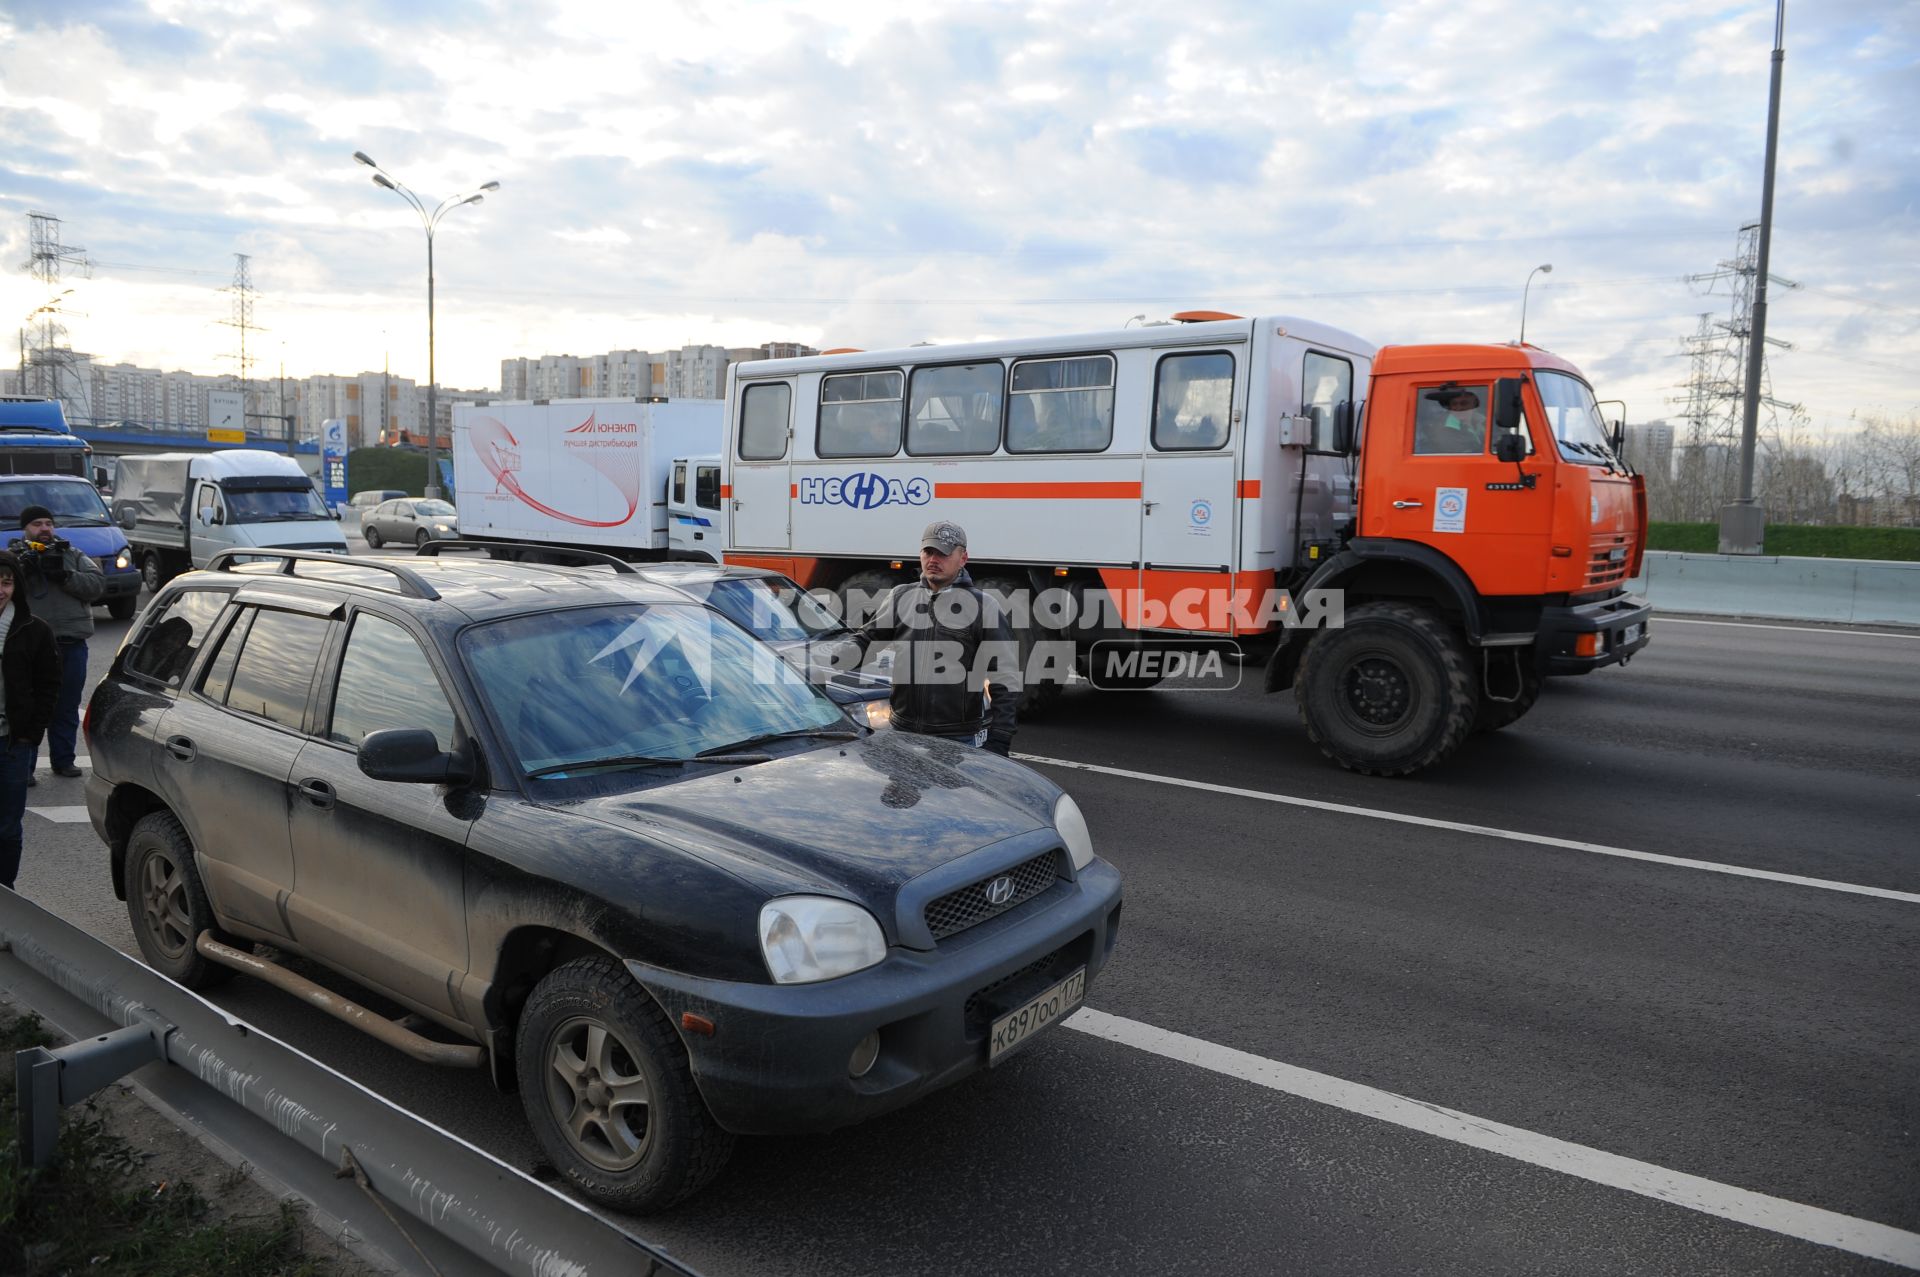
(609, 1093)
(167, 903)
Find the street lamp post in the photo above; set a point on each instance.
(429, 221)
(1545, 268)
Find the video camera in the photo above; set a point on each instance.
(48, 557)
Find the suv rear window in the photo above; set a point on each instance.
(167, 649)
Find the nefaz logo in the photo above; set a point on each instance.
(864, 490)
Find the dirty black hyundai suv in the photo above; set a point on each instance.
(594, 837)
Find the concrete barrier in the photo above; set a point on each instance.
(1772, 587)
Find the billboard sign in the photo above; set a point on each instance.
(333, 460)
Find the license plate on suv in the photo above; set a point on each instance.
(1015, 1027)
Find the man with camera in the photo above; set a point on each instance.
(60, 584)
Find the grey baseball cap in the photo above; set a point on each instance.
(943, 536)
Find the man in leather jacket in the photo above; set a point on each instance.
(63, 584)
(958, 675)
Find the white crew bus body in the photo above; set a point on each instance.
(1155, 463)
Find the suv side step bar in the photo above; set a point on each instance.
(423, 1049)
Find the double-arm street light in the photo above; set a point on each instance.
(1545, 268)
(428, 220)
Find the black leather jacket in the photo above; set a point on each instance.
(958, 629)
(30, 667)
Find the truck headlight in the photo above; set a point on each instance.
(1072, 828)
(811, 938)
(123, 560)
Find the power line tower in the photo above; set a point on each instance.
(1714, 396)
(47, 364)
(242, 320)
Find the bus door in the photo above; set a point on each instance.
(762, 483)
(1188, 513)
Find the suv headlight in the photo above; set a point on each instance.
(810, 938)
(875, 714)
(1072, 828)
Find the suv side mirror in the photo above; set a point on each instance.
(1506, 404)
(411, 756)
(1510, 447)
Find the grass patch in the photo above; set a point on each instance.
(1900, 545)
(90, 1211)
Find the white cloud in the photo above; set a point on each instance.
(875, 175)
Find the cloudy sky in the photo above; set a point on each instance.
(880, 174)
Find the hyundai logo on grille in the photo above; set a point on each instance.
(1000, 890)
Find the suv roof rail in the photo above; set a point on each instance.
(416, 584)
(562, 556)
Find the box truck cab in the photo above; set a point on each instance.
(180, 509)
(44, 463)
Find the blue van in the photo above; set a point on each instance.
(44, 463)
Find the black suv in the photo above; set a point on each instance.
(592, 835)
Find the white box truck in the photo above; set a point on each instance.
(179, 509)
(621, 476)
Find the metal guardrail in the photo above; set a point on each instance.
(427, 1180)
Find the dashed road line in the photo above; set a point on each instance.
(1690, 1192)
(1488, 831)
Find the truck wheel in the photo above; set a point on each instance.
(609, 1093)
(1495, 714)
(167, 904)
(1389, 693)
(122, 607)
(153, 572)
(372, 535)
(1036, 695)
(860, 595)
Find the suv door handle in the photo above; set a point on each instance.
(317, 792)
(181, 748)
(1408, 505)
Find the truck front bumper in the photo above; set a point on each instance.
(1588, 636)
(777, 1061)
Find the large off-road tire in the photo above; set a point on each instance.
(372, 534)
(122, 607)
(1495, 714)
(167, 903)
(609, 1093)
(1389, 693)
(861, 592)
(1036, 694)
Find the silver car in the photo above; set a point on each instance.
(409, 521)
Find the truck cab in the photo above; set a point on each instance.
(1493, 463)
(43, 463)
(696, 526)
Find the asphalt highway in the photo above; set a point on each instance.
(1632, 986)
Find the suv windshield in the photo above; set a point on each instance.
(635, 681)
(1574, 418)
(273, 505)
(775, 610)
(74, 503)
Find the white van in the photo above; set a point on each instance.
(179, 509)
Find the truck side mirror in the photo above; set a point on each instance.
(1506, 404)
(1510, 446)
(1344, 414)
(127, 517)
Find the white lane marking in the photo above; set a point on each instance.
(1793, 629)
(62, 815)
(1691, 1192)
(1513, 835)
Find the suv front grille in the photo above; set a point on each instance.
(973, 903)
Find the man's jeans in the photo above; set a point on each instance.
(63, 734)
(16, 765)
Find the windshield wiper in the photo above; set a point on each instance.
(826, 733)
(612, 760)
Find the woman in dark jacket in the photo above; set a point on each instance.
(29, 687)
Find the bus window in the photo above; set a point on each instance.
(1326, 382)
(764, 412)
(1193, 402)
(859, 415)
(954, 410)
(1061, 405)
